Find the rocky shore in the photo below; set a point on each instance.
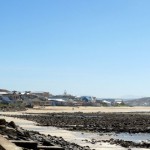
(94, 122)
(34, 140)
(98, 122)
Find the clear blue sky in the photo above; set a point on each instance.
(87, 47)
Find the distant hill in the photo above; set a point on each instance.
(138, 102)
(131, 97)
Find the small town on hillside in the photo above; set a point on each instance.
(31, 99)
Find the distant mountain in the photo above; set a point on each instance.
(131, 97)
(138, 102)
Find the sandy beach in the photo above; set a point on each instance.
(51, 109)
(88, 109)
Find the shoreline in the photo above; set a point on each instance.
(72, 135)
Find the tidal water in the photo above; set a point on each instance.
(136, 137)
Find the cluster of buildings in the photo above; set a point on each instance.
(31, 99)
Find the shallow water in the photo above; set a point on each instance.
(136, 137)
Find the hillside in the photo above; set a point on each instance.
(138, 102)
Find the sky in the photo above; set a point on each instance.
(86, 47)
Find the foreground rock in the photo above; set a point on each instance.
(34, 140)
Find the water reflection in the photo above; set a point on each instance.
(136, 137)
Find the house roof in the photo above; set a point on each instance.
(58, 100)
(105, 101)
(3, 93)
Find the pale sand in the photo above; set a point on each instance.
(87, 109)
(59, 109)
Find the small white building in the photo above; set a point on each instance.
(3, 93)
(118, 101)
(55, 102)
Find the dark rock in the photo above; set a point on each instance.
(12, 124)
(2, 122)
